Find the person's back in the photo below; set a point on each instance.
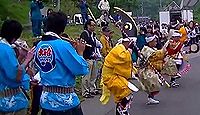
(59, 64)
(8, 80)
(13, 77)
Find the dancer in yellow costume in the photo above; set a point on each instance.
(117, 69)
(107, 46)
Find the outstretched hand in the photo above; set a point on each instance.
(166, 45)
(80, 46)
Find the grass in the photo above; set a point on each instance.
(74, 32)
(12, 9)
(27, 36)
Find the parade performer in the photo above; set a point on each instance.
(174, 51)
(107, 47)
(117, 69)
(106, 41)
(151, 63)
(13, 77)
(183, 32)
(59, 63)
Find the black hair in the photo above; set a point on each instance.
(193, 24)
(156, 26)
(143, 29)
(124, 35)
(149, 27)
(88, 22)
(56, 22)
(11, 29)
(65, 35)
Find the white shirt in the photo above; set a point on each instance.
(104, 5)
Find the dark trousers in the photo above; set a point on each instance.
(35, 107)
(152, 94)
(36, 27)
(84, 17)
(193, 41)
(74, 111)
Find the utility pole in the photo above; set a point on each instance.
(142, 8)
(160, 4)
(58, 5)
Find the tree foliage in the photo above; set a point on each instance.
(152, 7)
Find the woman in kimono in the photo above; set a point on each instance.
(152, 62)
(117, 69)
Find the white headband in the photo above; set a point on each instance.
(149, 39)
(124, 40)
(176, 34)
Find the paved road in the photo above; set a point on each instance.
(184, 100)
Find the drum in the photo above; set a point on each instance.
(194, 48)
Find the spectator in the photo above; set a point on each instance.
(104, 6)
(36, 17)
(191, 33)
(49, 11)
(141, 38)
(159, 36)
(83, 6)
(89, 88)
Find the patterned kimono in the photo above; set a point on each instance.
(183, 31)
(176, 54)
(170, 67)
(148, 76)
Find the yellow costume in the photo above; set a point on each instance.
(104, 51)
(183, 31)
(106, 45)
(148, 76)
(116, 71)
